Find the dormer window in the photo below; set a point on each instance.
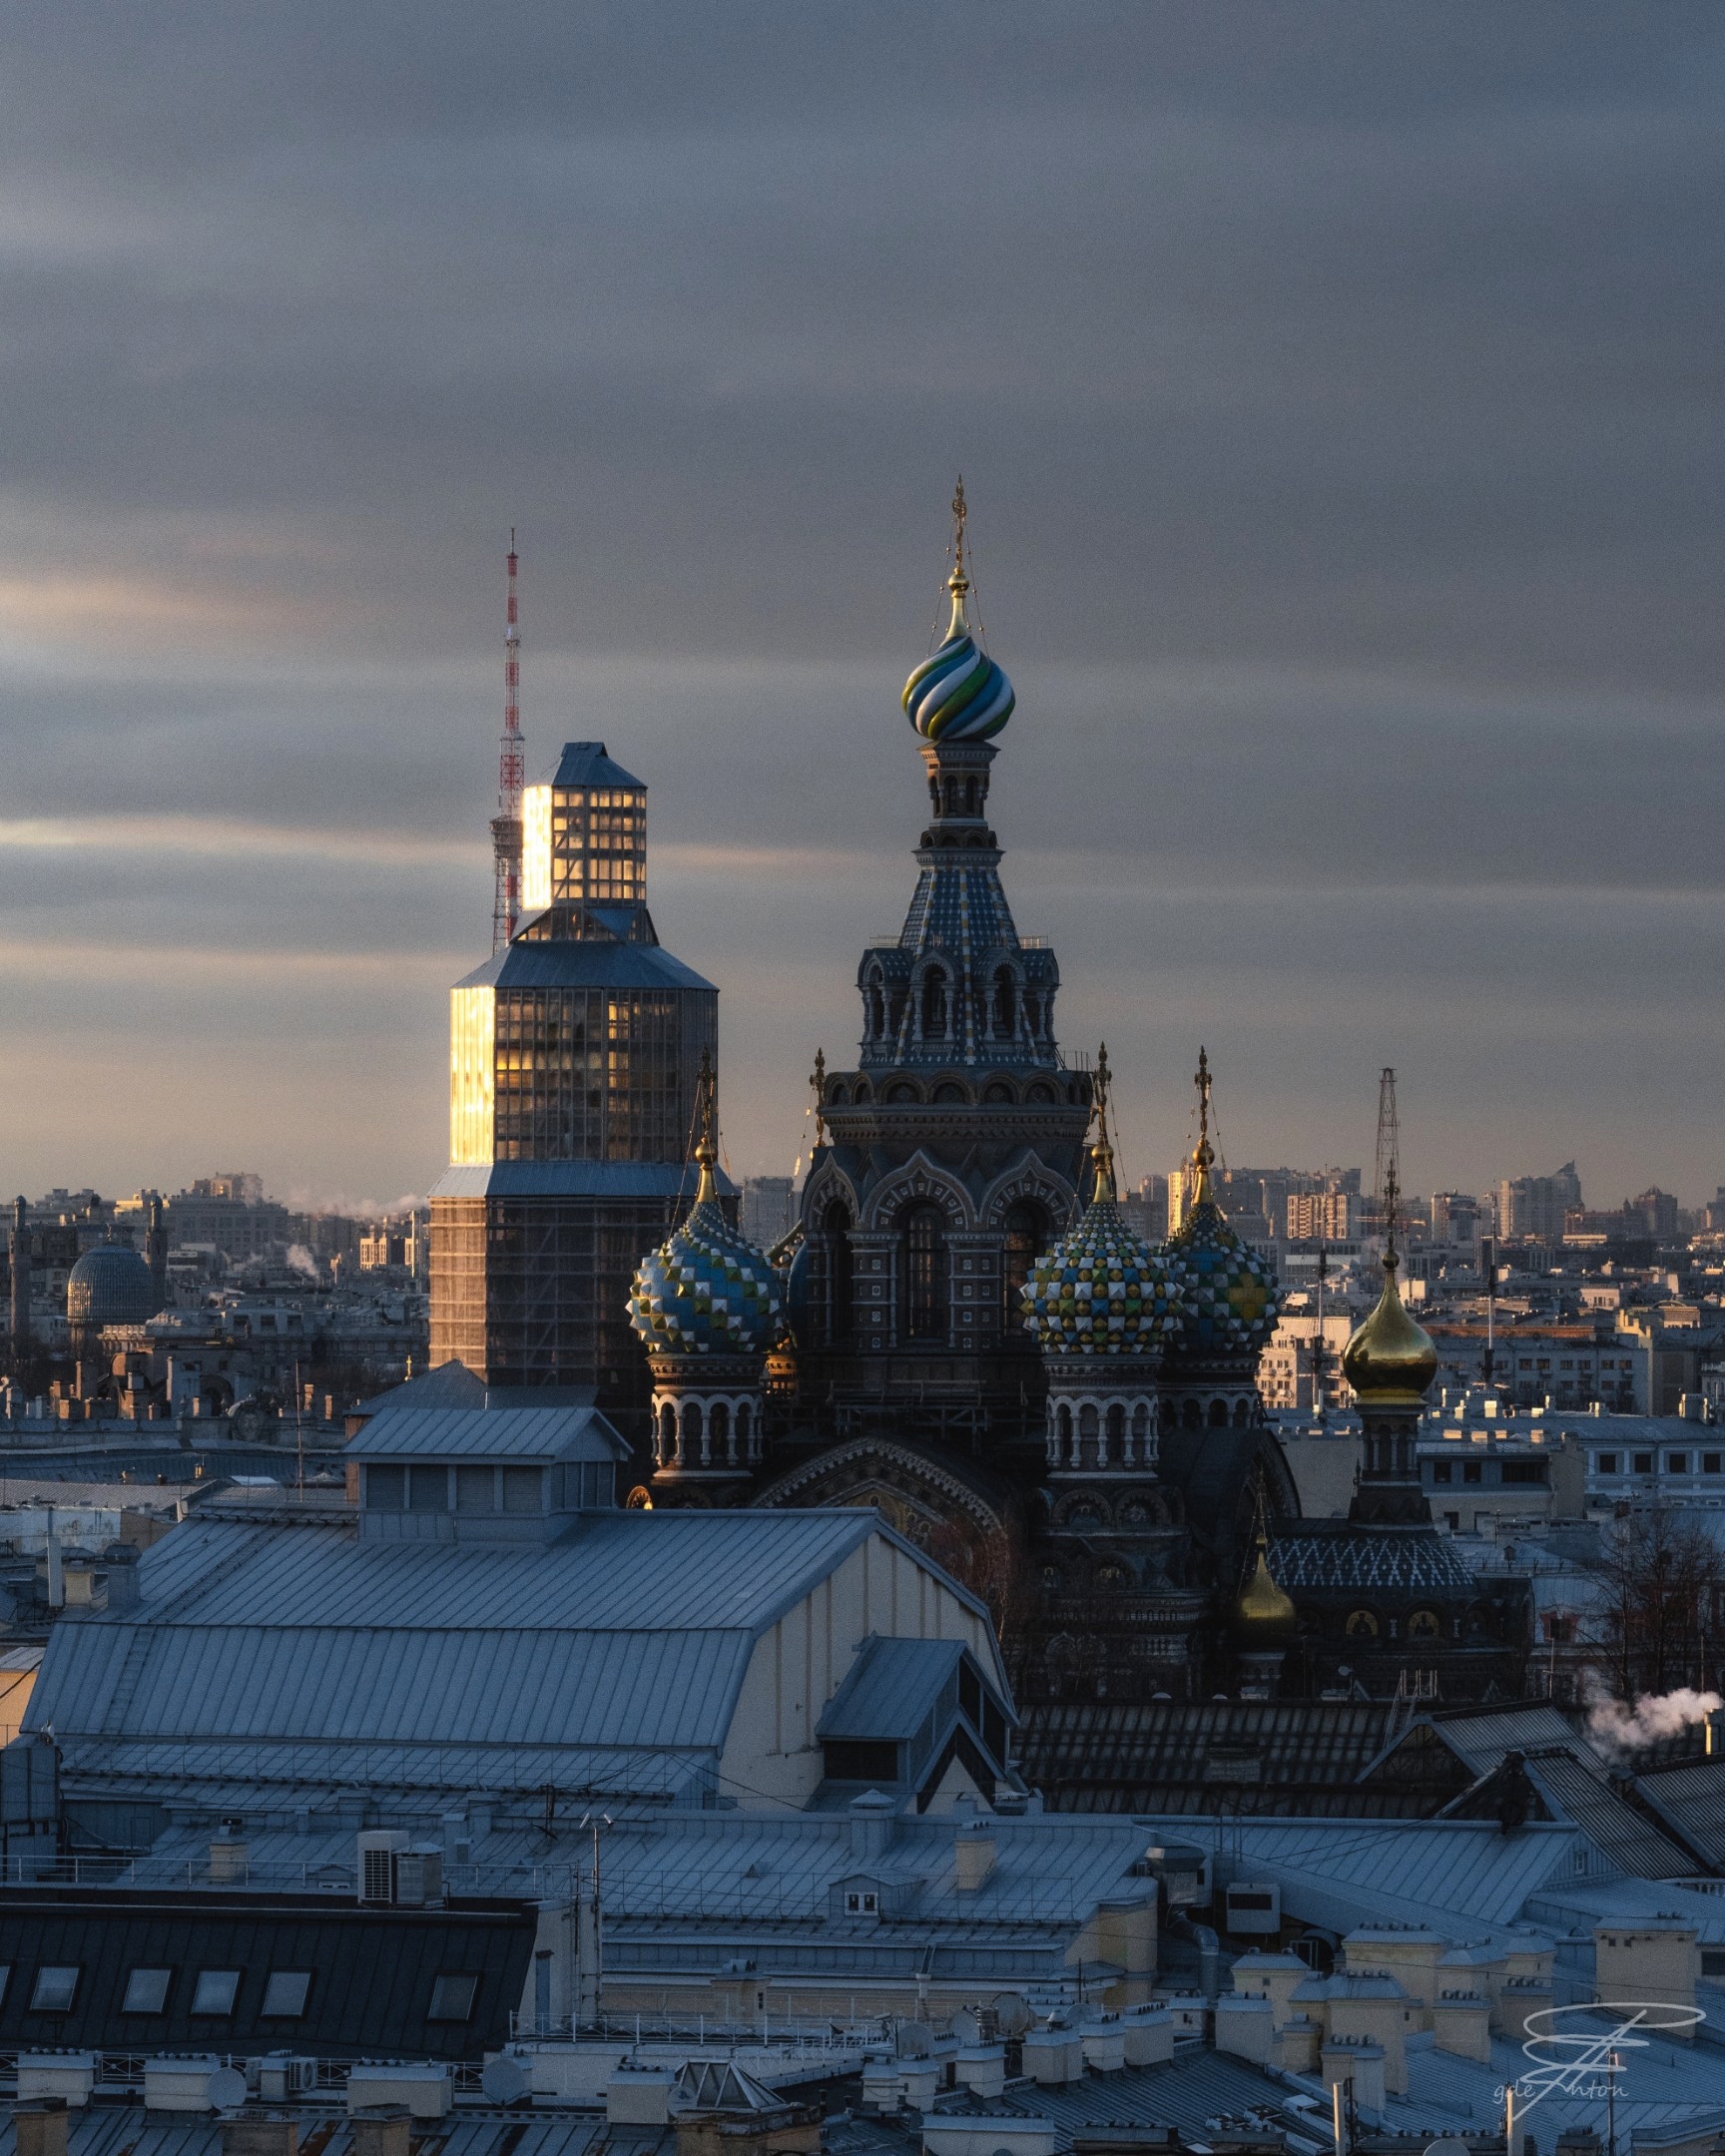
(861, 1901)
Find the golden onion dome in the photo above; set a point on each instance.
(1390, 1361)
(1263, 1607)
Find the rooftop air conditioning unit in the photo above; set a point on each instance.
(1254, 1910)
(378, 1853)
(419, 1875)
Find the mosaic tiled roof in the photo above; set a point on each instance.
(706, 1289)
(1228, 1288)
(1101, 1290)
(1383, 1560)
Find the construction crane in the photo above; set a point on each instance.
(506, 824)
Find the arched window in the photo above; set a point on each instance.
(876, 1008)
(935, 1004)
(1218, 1414)
(1026, 1227)
(1033, 1015)
(972, 802)
(1005, 1004)
(1114, 1450)
(666, 1435)
(720, 1432)
(835, 1231)
(924, 1274)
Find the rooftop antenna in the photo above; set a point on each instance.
(506, 824)
(1387, 1184)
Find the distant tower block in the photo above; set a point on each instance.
(20, 1311)
(506, 824)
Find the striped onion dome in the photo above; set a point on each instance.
(958, 694)
(706, 1289)
(1101, 1290)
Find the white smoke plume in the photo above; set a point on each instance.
(1617, 1728)
(300, 1260)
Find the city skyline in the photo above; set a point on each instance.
(1344, 506)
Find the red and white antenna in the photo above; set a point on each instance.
(506, 824)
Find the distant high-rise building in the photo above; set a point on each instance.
(1534, 1209)
(574, 1053)
(1455, 1218)
(1326, 1216)
(768, 1209)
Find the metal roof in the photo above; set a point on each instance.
(1194, 2092)
(590, 764)
(1338, 1872)
(306, 1652)
(584, 962)
(1319, 1555)
(1481, 1740)
(1667, 2092)
(372, 1970)
(1692, 1799)
(1160, 1755)
(658, 1181)
(125, 2129)
(892, 1684)
(1574, 1791)
(520, 1433)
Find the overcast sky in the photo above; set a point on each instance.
(1338, 391)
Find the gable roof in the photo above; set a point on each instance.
(411, 1433)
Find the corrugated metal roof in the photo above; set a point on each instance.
(1693, 1800)
(891, 1686)
(125, 2129)
(1575, 1792)
(340, 1684)
(1406, 1870)
(1481, 1740)
(1663, 2090)
(1194, 2093)
(305, 1653)
(1186, 1755)
(615, 1571)
(521, 1433)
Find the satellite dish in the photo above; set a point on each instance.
(1012, 2016)
(227, 2089)
(966, 2027)
(506, 2081)
(1446, 2147)
(915, 2040)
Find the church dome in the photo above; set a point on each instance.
(1390, 1361)
(1101, 1290)
(1228, 1287)
(1264, 1610)
(110, 1285)
(958, 694)
(706, 1289)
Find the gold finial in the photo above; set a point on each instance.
(705, 1102)
(958, 582)
(1101, 1151)
(1205, 1153)
(817, 1079)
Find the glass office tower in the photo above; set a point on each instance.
(573, 1057)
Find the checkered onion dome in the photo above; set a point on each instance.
(1101, 1290)
(706, 1290)
(1228, 1285)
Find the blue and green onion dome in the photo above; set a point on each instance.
(1101, 1290)
(1228, 1287)
(958, 694)
(706, 1289)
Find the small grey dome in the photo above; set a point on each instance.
(110, 1285)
